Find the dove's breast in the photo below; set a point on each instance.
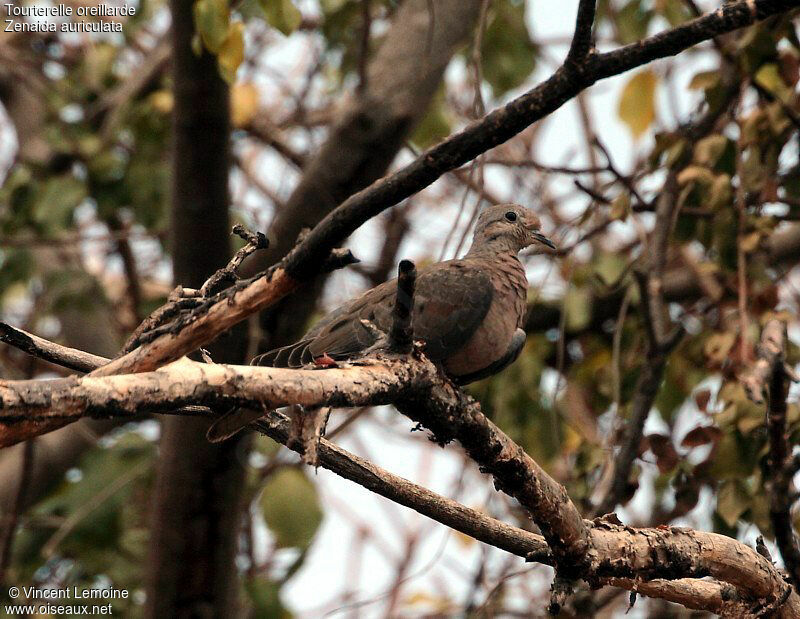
(491, 340)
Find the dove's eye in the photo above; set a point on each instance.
(511, 216)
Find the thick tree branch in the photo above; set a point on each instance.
(450, 513)
(451, 415)
(711, 596)
(612, 551)
(504, 123)
(183, 382)
(248, 297)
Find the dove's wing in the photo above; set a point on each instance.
(451, 300)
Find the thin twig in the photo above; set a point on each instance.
(768, 375)
(49, 351)
(745, 351)
(255, 241)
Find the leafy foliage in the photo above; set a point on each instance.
(94, 526)
(101, 169)
(508, 55)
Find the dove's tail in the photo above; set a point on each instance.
(292, 356)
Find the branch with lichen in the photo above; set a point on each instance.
(646, 560)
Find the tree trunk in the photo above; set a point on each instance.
(199, 486)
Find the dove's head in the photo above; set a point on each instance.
(508, 227)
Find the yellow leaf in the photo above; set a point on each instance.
(244, 103)
(572, 440)
(637, 107)
(750, 242)
(231, 53)
(162, 101)
(424, 599)
(464, 540)
(621, 206)
(718, 345)
(704, 79)
(695, 173)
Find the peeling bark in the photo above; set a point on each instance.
(654, 561)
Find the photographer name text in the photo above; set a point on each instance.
(74, 593)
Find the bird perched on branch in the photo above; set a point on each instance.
(468, 312)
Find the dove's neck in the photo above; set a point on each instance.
(497, 246)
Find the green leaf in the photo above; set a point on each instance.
(732, 501)
(97, 503)
(212, 19)
(434, 126)
(769, 78)
(282, 15)
(674, 10)
(754, 173)
(708, 150)
(578, 306)
(610, 267)
(508, 56)
(98, 63)
(231, 53)
(637, 107)
(735, 456)
(264, 594)
(675, 389)
(633, 21)
(330, 6)
(16, 265)
(720, 193)
(55, 200)
(291, 508)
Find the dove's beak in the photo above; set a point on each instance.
(543, 239)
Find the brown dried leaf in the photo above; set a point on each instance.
(701, 435)
(664, 451)
(701, 398)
